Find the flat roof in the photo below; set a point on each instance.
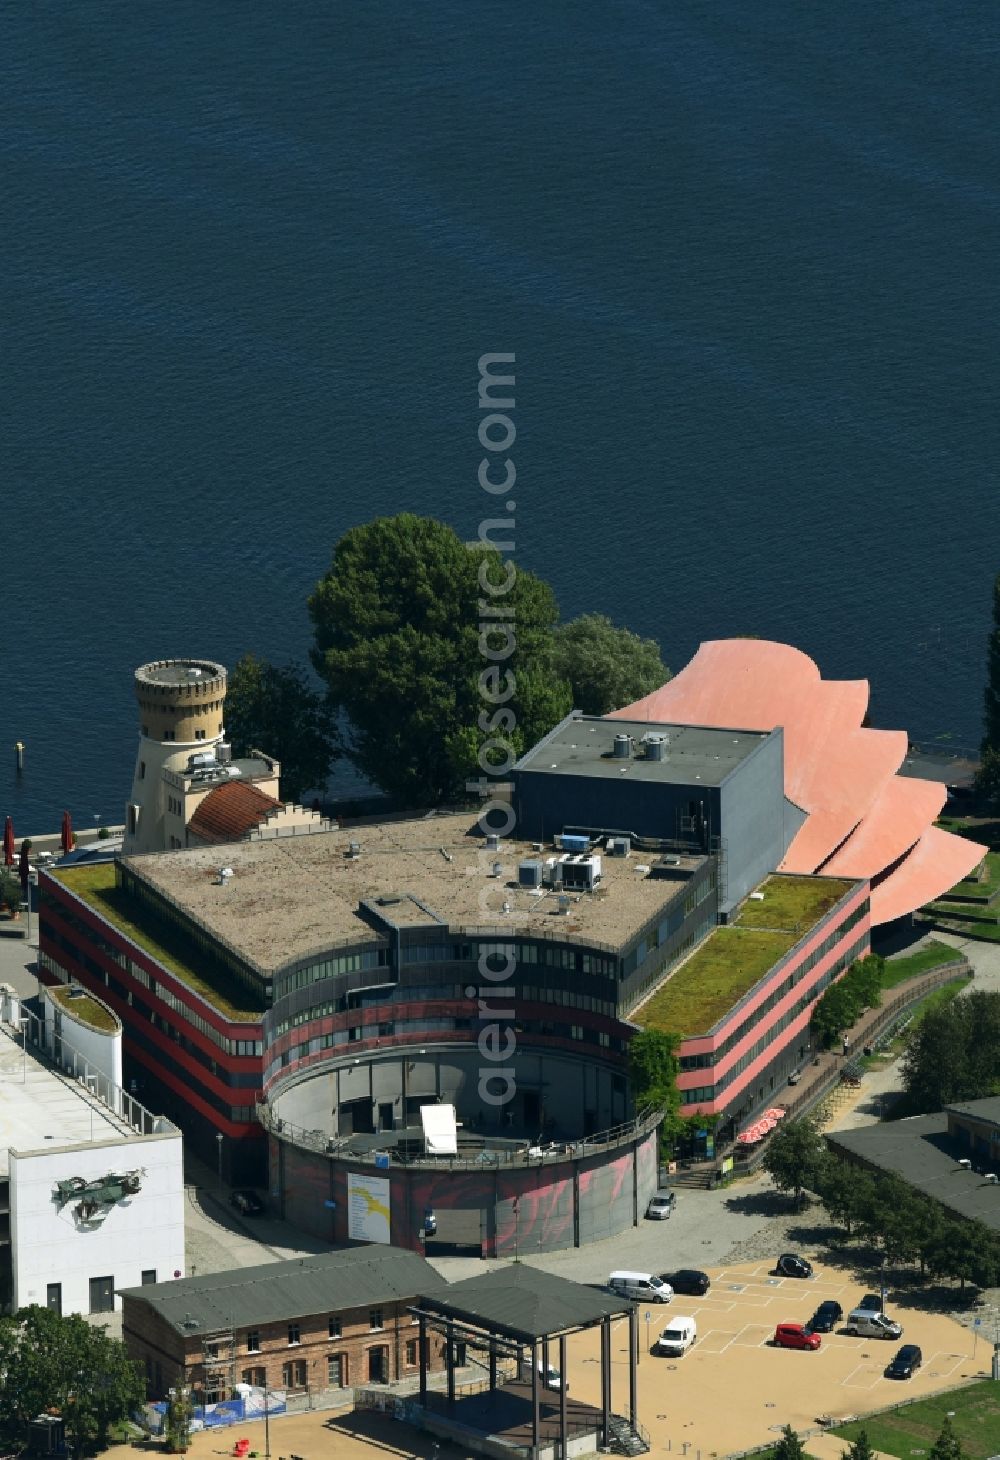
(583, 745)
(353, 1277)
(43, 1110)
(293, 896)
(926, 1157)
(732, 959)
(524, 1303)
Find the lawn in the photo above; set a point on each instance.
(96, 887)
(914, 1427)
(972, 890)
(86, 1009)
(932, 955)
(721, 971)
(732, 959)
(793, 904)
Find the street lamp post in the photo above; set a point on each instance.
(218, 1142)
(24, 1050)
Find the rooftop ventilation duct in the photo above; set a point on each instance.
(622, 747)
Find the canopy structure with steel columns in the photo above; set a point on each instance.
(516, 1308)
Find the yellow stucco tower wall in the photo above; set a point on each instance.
(180, 713)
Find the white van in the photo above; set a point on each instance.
(677, 1337)
(863, 1323)
(644, 1287)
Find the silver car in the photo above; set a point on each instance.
(661, 1204)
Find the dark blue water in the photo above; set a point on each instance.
(745, 255)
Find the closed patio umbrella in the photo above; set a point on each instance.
(24, 867)
(8, 842)
(66, 834)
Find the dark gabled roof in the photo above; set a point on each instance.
(523, 1303)
(355, 1277)
(921, 1151)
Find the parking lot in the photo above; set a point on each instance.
(732, 1390)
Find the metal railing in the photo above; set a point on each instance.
(326, 1145)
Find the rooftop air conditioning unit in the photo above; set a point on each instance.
(497, 869)
(619, 846)
(529, 874)
(354, 849)
(965, 1164)
(571, 842)
(582, 873)
(992, 1178)
(492, 842)
(622, 749)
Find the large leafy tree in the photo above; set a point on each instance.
(273, 708)
(954, 1053)
(795, 1157)
(653, 1068)
(606, 666)
(405, 623)
(49, 1361)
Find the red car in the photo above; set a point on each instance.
(796, 1335)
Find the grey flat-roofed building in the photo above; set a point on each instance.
(926, 1150)
(718, 791)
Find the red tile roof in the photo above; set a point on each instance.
(231, 811)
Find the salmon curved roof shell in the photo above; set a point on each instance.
(936, 863)
(896, 820)
(860, 816)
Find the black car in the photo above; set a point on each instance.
(688, 1280)
(826, 1317)
(791, 1266)
(247, 1202)
(871, 1302)
(905, 1363)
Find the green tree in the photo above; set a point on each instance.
(988, 775)
(835, 1011)
(947, 1446)
(795, 1156)
(847, 1191)
(437, 652)
(954, 1053)
(272, 708)
(789, 1447)
(606, 666)
(177, 1420)
(50, 1361)
(653, 1069)
(860, 1448)
(866, 979)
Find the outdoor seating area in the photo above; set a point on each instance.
(761, 1127)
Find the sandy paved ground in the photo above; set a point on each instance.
(730, 1392)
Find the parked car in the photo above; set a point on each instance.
(789, 1265)
(871, 1301)
(863, 1323)
(826, 1317)
(661, 1204)
(688, 1280)
(247, 1202)
(904, 1363)
(678, 1336)
(796, 1335)
(643, 1287)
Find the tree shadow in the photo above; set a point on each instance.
(768, 1203)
